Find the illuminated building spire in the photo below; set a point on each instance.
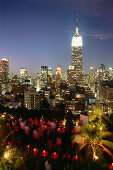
(77, 25)
(77, 71)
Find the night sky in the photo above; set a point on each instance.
(39, 32)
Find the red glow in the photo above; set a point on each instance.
(42, 122)
(58, 130)
(75, 157)
(44, 153)
(36, 123)
(8, 143)
(28, 146)
(54, 155)
(63, 156)
(16, 128)
(35, 151)
(111, 166)
(45, 127)
(63, 130)
(66, 156)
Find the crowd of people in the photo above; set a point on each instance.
(53, 137)
(44, 134)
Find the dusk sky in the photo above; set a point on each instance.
(39, 32)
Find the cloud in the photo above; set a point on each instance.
(101, 36)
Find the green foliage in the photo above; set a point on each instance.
(96, 137)
(10, 157)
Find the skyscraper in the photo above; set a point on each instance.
(44, 76)
(4, 76)
(77, 56)
(4, 70)
(50, 72)
(23, 73)
(58, 76)
(59, 71)
(71, 77)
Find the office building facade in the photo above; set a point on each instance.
(44, 76)
(4, 70)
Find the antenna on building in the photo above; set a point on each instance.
(77, 24)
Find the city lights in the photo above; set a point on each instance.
(56, 85)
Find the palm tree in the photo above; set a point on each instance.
(95, 136)
(10, 158)
(97, 115)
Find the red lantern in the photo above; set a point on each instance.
(35, 151)
(8, 143)
(45, 127)
(54, 155)
(44, 153)
(75, 157)
(28, 146)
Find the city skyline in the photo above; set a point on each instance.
(35, 33)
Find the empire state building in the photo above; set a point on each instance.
(76, 54)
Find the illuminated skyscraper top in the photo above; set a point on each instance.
(77, 39)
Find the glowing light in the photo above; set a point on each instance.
(111, 166)
(54, 155)
(58, 130)
(8, 143)
(75, 157)
(28, 146)
(91, 68)
(96, 157)
(71, 67)
(76, 41)
(9, 153)
(83, 140)
(35, 151)
(64, 122)
(78, 96)
(3, 116)
(44, 153)
(5, 59)
(101, 128)
(38, 88)
(6, 155)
